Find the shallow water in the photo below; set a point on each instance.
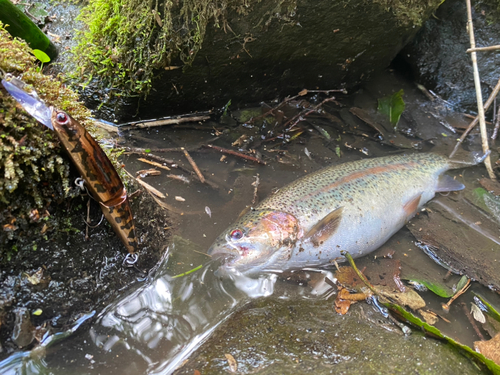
(154, 328)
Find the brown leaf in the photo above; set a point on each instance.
(344, 294)
(429, 317)
(196, 372)
(233, 365)
(348, 278)
(490, 348)
(409, 298)
(342, 306)
(386, 272)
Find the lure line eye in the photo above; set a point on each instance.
(236, 234)
(62, 118)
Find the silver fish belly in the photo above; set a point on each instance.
(355, 206)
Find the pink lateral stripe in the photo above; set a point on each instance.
(360, 174)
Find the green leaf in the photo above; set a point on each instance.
(392, 106)
(437, 289)
(462, 282)
(409, 317)
(188, 272)
(41, 56)
(147, 150)
(38, 10)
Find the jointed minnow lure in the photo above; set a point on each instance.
(95, 167)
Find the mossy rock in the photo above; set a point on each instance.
(34, 173)
(193, 54)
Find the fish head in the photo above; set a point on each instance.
(260, 241)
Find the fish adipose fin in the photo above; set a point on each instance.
(325, 228)
(411, 206)
(447, 183)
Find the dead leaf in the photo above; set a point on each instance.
(490, 348)
(477, 313)
(344, 294)
(408, 298)
(233, 365)
(385, 272)
(196, 372)
(348, 278)
(429, 317)
(342, 306)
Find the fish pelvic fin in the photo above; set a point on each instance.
(325, 228)
(447, 183)
(411, 206)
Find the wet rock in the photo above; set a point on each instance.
(308, 337)
(23, 332)
(461, 237)
(438, 59)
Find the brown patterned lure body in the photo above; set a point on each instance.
(96, 169)
(100, 175)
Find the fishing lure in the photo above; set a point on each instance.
(101, 178)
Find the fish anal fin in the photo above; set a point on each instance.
(325, 228)
(447, 183)
(411, 206)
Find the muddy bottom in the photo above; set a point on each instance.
(45, 290)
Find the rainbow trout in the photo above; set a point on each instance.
(356, 206)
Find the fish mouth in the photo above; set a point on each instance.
(227, 256)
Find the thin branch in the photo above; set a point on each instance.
(480, 49)
(487, 105)
(193, 164)
(477, 83)
(236, 153)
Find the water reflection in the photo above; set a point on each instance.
(154, 328)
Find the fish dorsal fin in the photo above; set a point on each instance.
(447, 183)
(325, 228)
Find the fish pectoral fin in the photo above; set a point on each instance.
(447, 183)
(325, 228)
(411, 206)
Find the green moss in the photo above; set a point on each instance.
(125, 42)
(409, 12)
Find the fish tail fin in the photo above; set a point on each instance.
(473, 158)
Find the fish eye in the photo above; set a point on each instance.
(62, 118)
(236, 234)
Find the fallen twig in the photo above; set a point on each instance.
(497, 125)
(151, 189)
(255, 184)
(446, 306)
(162, 122)
(193, 164)
(480, 49)
(179, 178)
(236, 153)
(487, 105)
(472, 321)
(154, 163)
(305, 113)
